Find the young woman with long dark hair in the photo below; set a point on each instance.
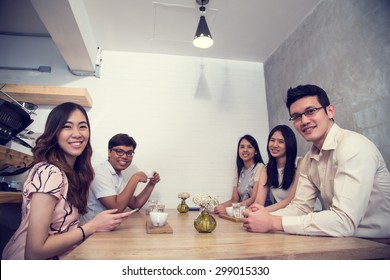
(280, 176)
(56, 189)
(248, 166)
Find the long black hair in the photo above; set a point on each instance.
(257, 157)
(47, 149)
(291, 154)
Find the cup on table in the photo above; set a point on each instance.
(152, 205)
(160, 207)
(238, 210)
(229, 211)
(158, 219)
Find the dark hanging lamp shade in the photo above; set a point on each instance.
(203, 38)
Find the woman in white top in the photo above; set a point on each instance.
(248, 167)
(280, 176)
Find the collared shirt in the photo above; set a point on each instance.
(278, 194)
(351, 176)
(105, 183)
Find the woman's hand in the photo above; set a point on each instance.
(255, 207)
(107, 220)
(220, 209)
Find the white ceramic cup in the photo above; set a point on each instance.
(158, 218)
(149, 173)
(229, 211)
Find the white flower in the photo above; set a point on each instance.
(206, 201)
(183, 195)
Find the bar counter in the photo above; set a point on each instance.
(228, 241)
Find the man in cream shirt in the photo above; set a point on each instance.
(343, 166)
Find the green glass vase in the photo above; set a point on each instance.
(205, 222)
(183, 207)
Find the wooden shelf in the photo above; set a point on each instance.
(48, 95)
(14, 159)
(11, 197)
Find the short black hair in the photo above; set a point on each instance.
(293, 94)
(121, 139)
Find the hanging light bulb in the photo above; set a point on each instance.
(202, 38)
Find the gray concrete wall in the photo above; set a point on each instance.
(343, 47)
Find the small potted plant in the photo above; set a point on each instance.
(183, 207)
(205, 222)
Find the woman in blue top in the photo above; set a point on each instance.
(248, 166)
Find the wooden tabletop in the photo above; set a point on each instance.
(228, 241)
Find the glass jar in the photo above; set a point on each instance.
(151, 206)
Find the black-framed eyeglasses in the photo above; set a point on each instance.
(309, 112)
(121, 152)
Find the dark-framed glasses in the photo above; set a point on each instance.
(121, 152)
(309, 112)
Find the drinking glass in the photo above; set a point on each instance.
(236, 210)
(160, 207)
(151, 206)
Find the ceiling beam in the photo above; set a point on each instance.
(68, 24)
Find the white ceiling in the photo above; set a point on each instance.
(248, 30)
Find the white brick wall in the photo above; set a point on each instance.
(186, 114)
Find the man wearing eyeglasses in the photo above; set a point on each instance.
(108, 189)
(343, 167)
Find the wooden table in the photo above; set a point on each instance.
(228, 241)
